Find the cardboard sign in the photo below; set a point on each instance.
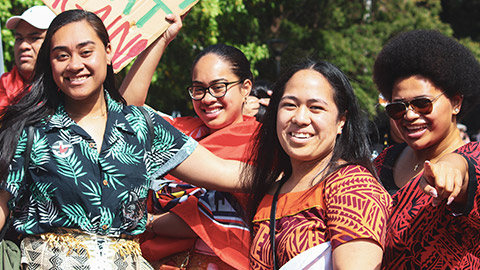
(131, 24)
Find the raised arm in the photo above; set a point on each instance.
(204, 169)
(134, 88)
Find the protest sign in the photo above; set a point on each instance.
(131, 24)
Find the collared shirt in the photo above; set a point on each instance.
(75, 186)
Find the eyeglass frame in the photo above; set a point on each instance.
(408, 105)
(207, 89)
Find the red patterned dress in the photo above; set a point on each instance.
(421, 236)
(348, 205)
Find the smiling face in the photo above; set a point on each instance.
(218, 113)
(79, 61)
(28, 40)
(307, 118)
(421, 131)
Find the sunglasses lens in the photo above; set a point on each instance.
(395, 110)
(422, 105)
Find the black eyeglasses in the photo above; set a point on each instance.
(398, 109)
(216, 90)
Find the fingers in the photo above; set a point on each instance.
(264, 101)
(442, 182)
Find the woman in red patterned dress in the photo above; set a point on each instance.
(312, 151)
(430, 81)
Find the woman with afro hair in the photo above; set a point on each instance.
(431, 81)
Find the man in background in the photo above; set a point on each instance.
(29, 31)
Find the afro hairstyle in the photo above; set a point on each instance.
(448, 64)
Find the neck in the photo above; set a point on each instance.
(435, 152)
(91, 107)
(307, 174)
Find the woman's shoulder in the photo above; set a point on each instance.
(351, 177)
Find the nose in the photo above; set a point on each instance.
(302, 116)
(410, 113)
(208, 99)
(75, 64)
(25, 45)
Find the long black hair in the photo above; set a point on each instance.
(269, 161)
(44, 96)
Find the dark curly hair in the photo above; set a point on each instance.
(448, 64)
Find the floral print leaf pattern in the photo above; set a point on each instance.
(111, 174)
(22, 143)
(70, 167)
(98, 192)
(76, 214)
(94, 193)
(48, 212)
(40, 150)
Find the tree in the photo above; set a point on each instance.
(347, 33)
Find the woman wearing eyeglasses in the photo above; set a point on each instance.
(221, 82)
(431, 81)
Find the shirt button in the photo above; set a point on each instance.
(92, 145)
(105, 182)
(105, 227)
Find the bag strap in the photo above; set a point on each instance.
(28, 151)
(273, 221)
(149, 123)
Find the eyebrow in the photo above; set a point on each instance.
(212, 82)
(29, 34)
(79, 45)
(310, 100)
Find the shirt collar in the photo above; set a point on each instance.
(116, 116)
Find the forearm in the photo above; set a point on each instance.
(134, 88)
(169, 224)
(357, 254)
(4, 212)
(204, 169)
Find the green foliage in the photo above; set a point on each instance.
(347, 33)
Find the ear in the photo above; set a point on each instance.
(246, 88)
(341, 123)
(456, 101)
(109, 51)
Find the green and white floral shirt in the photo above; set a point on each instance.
(103, 193)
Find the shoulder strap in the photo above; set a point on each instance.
(28, 151)
(273, 221)
(149, 122)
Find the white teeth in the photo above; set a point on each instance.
(416, 128)
(77, 79)
(300, 135)
(213, 111)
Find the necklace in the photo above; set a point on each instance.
(415, 168)
(85, 116)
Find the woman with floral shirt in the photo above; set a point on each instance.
(92, 156)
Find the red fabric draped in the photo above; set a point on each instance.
(11, 85)
(231, 244)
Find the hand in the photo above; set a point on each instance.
(444, 181)
(174, 28)
(251, 105)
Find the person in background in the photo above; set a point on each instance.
(92, 158)
(29, 31)
(221, 82)
(311, 153)
(257, 102)
(463, 132)
(430, 81)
